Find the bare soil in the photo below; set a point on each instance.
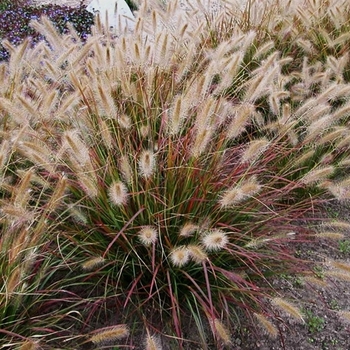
(323, 328)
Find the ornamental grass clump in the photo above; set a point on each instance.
(164, 174)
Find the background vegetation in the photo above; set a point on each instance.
(15, 17)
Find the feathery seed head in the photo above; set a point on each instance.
(317, 112)
(106, 134)
(318, 127)
(338, 274)
(137, 54)
(315, 281)
(13, 282)
(231, 197)
(267, 325)
(330, 235)
(274, 103)
(38, 153)
(197, 254)
(345, 163)
(144, 131)
(77, 214)
(179, 256)
(118, 193)
(92, 264)
(317, 175)
(203, 84)
(230, 68)
(29, 345)
(215, 240)
(305, 156)
(59, 192)
(250, 187)
(88, 182)
(148, 235)
(241, 192)
(338, 224)
(22, 192)
(110, 335)
(333, 135)
(293, 137)
(259, 84)
(76, 146)
(221, 331)
(124, 121)
(17, 213)
(242, 117)
(340, 265)
(105, 97)
(205, 113)
(306, 45)
(265, 48)
(188, 229)
(289, 309)
(344, 142)
(154, 21)
(254, 150)
(176, 115)
(340, 190)
(152, 343)
(125, 169)
(202, 139)
(147, 163)
(261, 241)
(286, 113)
(327, 158)
(4, 153)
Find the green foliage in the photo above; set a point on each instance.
(4, 4)
(344, 246)
(314, 323)
(333, 304)
(318, 271)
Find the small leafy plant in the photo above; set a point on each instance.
(314, 323)
(344, 246)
